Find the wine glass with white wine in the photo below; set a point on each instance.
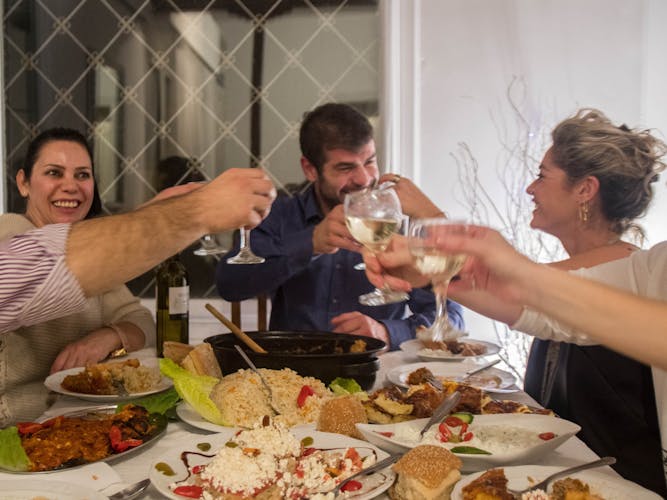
(441, 267)
(373, 216)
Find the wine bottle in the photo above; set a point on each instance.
(173, 296)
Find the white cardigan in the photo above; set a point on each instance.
(643, 273)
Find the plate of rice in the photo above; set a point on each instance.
(110, 382)
(243, 400)
(190, 416)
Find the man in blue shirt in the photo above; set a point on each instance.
(310, 254)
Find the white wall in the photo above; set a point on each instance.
(570, 53)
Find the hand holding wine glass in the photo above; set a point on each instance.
(441, 267)
(373, 216)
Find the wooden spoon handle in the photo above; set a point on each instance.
(235, 329)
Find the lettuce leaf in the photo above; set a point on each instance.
(194, 389)
(12, 454)
(344, 386)
(160, 403)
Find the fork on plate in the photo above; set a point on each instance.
(542, 485)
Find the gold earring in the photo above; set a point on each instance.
(584, 212)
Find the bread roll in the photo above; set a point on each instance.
(202, 361)
(426, 472)
(338, 415)
(176, 351)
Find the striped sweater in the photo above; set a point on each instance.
(45, 289)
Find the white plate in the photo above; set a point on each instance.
(604, 484)
(188, 415)
(48, 490)
(53, 382)
(400, 440)
(373, 485)
(415, 347)
(503, 384)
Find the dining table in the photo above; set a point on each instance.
(122, 472)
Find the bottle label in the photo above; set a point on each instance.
(179, 297)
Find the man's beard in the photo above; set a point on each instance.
(329, 202)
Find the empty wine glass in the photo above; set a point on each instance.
(372, 217)
(245, 255)
(209, 246)
(441, 267)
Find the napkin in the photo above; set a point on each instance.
(96, 476)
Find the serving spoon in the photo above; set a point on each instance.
(240, 334)
(385, 462)
(261, 378)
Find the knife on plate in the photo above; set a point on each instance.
(438, 414)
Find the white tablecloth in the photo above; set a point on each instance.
(137, 467)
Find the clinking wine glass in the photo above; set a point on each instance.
(209, 246)
(245, 255)
(441, 267)
(373, 216)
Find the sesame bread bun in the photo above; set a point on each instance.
(338, 415)
(426, 472)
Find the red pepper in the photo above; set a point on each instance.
(351, 486)
(445, 433)
(308, 451)
(28, 427)
(306, 391)
(547, 436)
(118, 444)
(189, 491)
(354, 456)
(54, 422)
(466, 437)
(385, 433)
(454, 421)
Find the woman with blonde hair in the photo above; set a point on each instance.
(593, 183)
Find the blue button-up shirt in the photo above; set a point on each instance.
(307, 290)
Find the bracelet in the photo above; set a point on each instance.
(121, 351)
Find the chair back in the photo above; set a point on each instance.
(262, 322)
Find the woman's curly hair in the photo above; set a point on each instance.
(625, 161)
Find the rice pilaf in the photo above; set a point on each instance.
(243, 400)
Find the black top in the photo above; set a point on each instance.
(612, 398)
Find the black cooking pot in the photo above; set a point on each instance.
(323, 355)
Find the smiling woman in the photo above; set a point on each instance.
(57, 178)
(57, 182)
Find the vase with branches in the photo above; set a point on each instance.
(522, 143)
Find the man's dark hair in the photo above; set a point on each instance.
(332, 126)
(67, 135)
